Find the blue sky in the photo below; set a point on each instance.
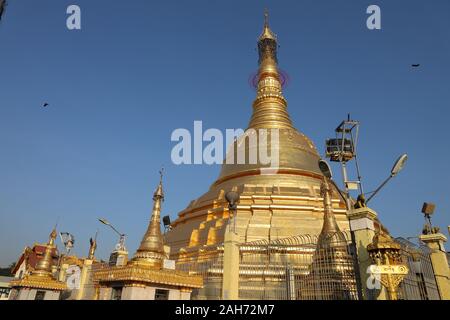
(140, 69)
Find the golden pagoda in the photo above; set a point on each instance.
(273, 204)
(144, 277)
(40, 283)
(151, 250)
(332, 275)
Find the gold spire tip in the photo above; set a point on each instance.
(267, 33)
(159, 190)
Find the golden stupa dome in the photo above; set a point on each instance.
(297, 155)
(277, 199)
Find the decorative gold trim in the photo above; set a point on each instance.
(142, 274)
(38, 282)
(256, 172)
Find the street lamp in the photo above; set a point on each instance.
(398, 166)
(325, 168)
(326, 171)
(121, 244)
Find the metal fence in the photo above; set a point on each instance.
(420, 282)
(294, 268)
(305, 268)
(298, 268)
(209, 265)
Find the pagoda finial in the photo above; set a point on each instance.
(266, 17)
(159, 190)
(52, 237)
(161, 174)
(330, 234)
(267, 33)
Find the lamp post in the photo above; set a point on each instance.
(398, 166)
(231, 259)
(232, 197)
(121, 244)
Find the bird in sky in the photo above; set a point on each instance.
(415, 65)
(2, 7)
(45, 104)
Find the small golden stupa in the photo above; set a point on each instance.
(41, 280)
(273, 203)
(144, 277)
(332, 264)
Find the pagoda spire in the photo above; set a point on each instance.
(330, 234)
(42, 278)
(151, 249)
(44, 266)
(267, 33)
(269, 107)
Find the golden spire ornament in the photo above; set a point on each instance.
(42, 277)
(388, 266)
(44, 266)
(92, 247)
(269, 107)
(330, 234)
(151, 249)
(267, 33)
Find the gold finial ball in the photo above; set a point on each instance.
(53, 234)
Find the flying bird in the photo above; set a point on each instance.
(2, 7)
(45, 104)
(415, 65)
